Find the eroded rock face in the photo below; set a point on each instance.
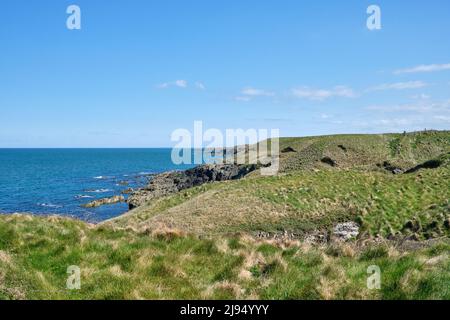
(171, 182)
(101, 202)
(346, 231)
(431, 164)
(329, 161)
(393, 169)
(288, 149)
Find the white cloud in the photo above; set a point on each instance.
(424, 68)
(252, 92)
(181, 83)
(323, 94)
(443, 118)
(421, 96)
(247, 94)
(399, 86)
(419, 106)
(242, 99)
(200, 85)
(176, 83)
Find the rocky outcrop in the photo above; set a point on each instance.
(101, 202)
(288, 150)
(389, 167)
(329, 161)
(346, 231)
(127, 191)
(431, 164)
(171, 182)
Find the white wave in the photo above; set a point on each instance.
(99, 191)
(103, 177)
(144, 173)
(82, 196)
(49, 205)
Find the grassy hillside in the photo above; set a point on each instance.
(118, 264)
(313, 195)
(200, 243)
(365, 151)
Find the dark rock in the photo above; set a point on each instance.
(171, 182)
(288, 149)
(412, 225)
(431, 164)
(101, 202)
(329, 161)
(342, 147)
(393, 169)
(127, 191)
(447, 223)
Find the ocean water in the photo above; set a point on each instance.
(59, 181)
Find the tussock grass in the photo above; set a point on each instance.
(116, 264)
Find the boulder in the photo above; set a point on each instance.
(346, 231)
(287, 150)
(393, 169)
(329, 161)
(101, 202)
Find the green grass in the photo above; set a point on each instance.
(117, 264)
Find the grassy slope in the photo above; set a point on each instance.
(302, 200)
(118, 264)
(140, 255)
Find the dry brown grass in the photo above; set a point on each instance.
(165, 233)
(5, 257)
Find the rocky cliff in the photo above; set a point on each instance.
(171, 182)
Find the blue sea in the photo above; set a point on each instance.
(59, 181)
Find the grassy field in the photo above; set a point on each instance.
(116, 264)
(201, 243)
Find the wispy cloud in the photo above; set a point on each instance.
(399, 86)
(176, 83)
(420, 106)
(421, 96)
(424, 68)
(442, 118)
(323, 94)
(252, 92)
(200, 85)
(242, 99)
(249, 93)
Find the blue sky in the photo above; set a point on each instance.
(138, 70)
